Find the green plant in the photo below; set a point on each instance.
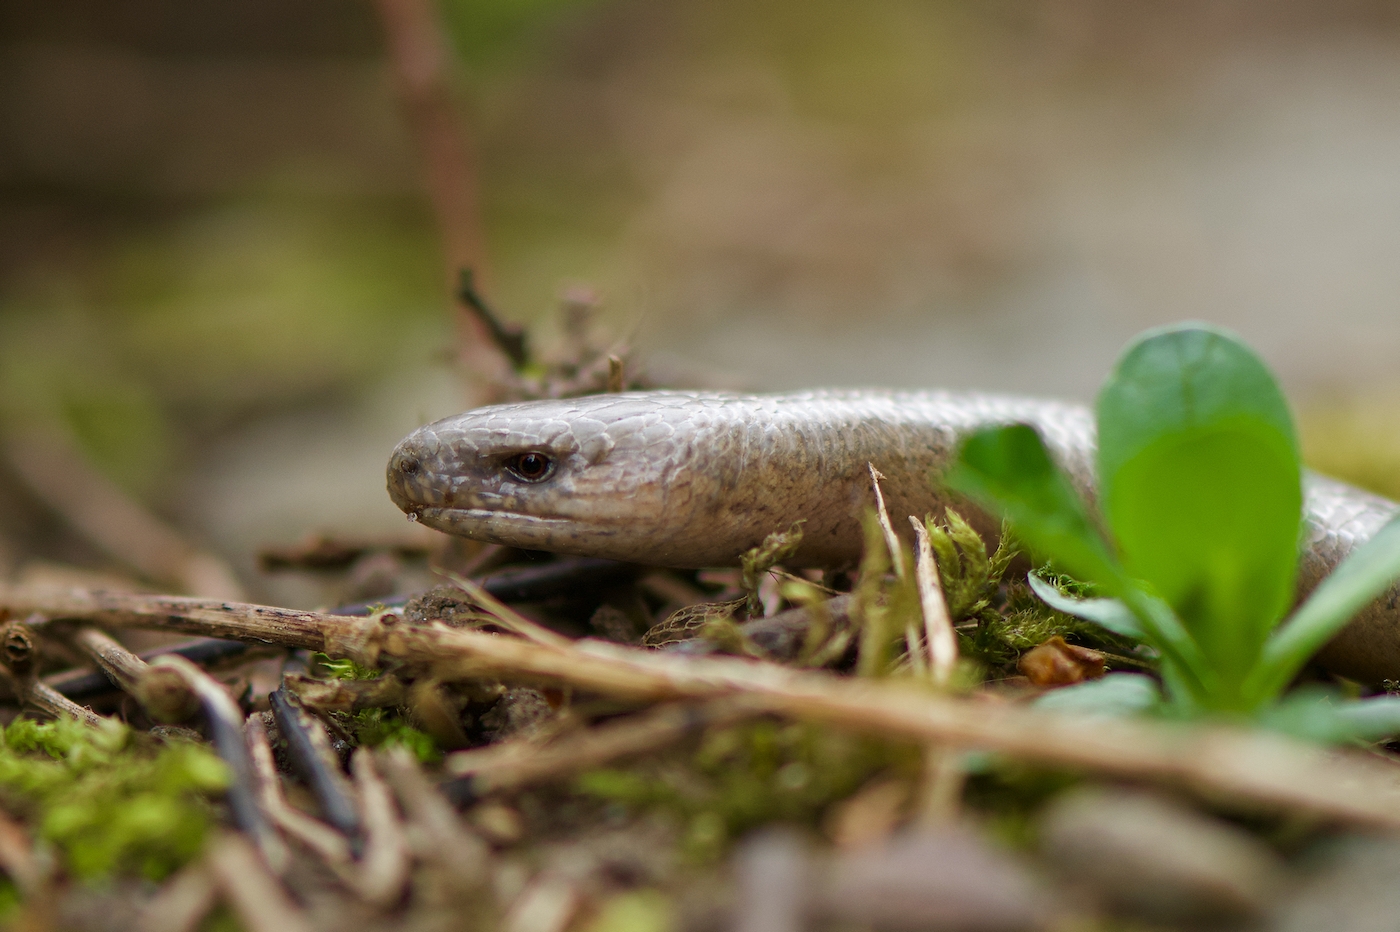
(1200, 488)
(110, 801)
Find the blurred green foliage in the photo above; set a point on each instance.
(486, 31)
(108, 800)
(179, 332)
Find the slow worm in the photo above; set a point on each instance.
(692, 479)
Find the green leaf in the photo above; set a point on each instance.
(1201, 484)
(1318, 714)
(1360, 578)
(1106, 613)
(1370, 719)
(1113, 695)
(1009, 468)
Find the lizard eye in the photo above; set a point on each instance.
(530, 467)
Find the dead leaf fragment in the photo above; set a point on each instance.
(1059, 663)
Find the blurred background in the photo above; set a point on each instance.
(222, 283)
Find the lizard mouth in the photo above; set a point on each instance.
(514, 529)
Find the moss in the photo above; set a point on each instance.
(749, 775)
(109, 800)
(344, 669)
(388, 728)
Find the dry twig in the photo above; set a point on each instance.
(891, 539)
(384, 866)
(162, 691)
(225, 723)
(938, 626)
(515, 763)
(182, 903)
(435, 832)
(28, 871)
(1247, 765)
(330, 845)
(19, 666)
(253, 892)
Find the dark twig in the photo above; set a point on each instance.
(310, 753)
(569, 576)
(508, 338)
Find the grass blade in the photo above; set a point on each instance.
(1363, 576)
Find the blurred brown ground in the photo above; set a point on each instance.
(218, 273)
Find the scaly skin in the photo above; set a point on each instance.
(692, 479)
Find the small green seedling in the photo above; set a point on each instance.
(1201, 492)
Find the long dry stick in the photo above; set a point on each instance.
(1254, 766)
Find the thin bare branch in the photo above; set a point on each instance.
(891, 539)
(421, 63)
(254, 893)
(330, 845)
(938, 626)
(515, 763)
(384, 866)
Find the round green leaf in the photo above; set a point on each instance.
(1201, 485)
